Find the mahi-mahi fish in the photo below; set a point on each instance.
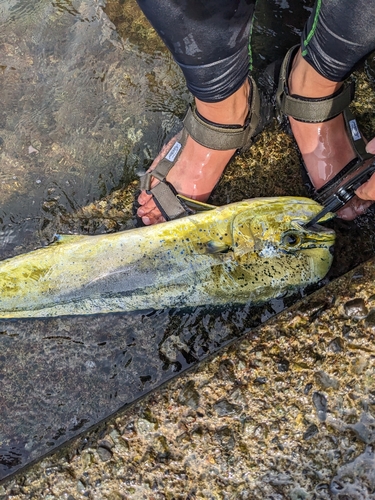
(245, 252)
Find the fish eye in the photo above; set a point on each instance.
(291, 239)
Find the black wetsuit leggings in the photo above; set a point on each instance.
(209, 39)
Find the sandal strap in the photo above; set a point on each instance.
(359, 147)
(225, 137)
(162, 169)
(310, 110)
(165, 198)
(208, 134)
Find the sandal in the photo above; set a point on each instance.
(211, 135)
(318, 110)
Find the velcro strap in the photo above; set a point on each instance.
(162, 169)
(167, 202)
(311, 110)
(215, 137)
(145, 181)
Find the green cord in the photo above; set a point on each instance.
(313, 28)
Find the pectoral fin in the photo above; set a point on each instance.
(243, 239)
(217, 247)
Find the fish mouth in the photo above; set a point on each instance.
(317, 228)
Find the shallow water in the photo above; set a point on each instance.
(88, 98)
(78, 117)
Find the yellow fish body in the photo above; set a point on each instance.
(250, 251)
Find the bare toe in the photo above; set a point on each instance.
(153, 217)
(147, 207)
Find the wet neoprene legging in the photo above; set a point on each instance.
(209, 39)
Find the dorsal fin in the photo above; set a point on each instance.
(217, 247)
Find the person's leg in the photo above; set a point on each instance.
(209, 40)
(338, 34)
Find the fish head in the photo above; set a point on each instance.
(271, 234)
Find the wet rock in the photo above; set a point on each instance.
(355, 480)
(365, 428)
(224, 408)
(172, 347)
(356, 308)
(310, 432)
(336, 345)
(104, 454)
(326, 381)
(320, 403)
(189, 396)
(370, 319)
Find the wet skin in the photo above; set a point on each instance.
(196, 178)
(325, 147)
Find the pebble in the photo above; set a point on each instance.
(370, 319)
(189, 396)
(104, 454)
(356, 308)
(310, 432)
(325, 381)
(145, 426)
(224, 408)
(336, 345)
(320, 403)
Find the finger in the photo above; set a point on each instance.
(367, 190)
(147, 221)
(370, 146)
(355, 207)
